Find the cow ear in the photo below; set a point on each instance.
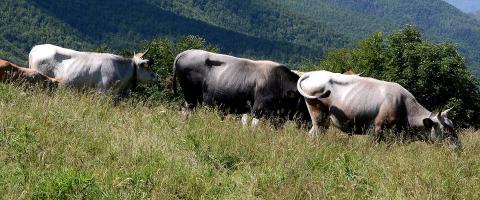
(142, 63)
(428, 123)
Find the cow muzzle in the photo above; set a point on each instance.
(455, 143)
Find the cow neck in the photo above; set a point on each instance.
(134, 80)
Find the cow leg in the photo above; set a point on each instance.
(191, 101)
(258, 111)
(266, 111)
(245, 120)
(255, 122)
(187, 110)
(319, 120)
(387, 117)
(378, 132)
(314, 115)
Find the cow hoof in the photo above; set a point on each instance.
(313, 132)
(245, 120)
(255, 122)
(185, 115)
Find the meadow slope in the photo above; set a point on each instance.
(74, 145)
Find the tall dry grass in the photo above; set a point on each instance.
(79, 146)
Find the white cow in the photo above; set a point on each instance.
(355, 103)
(105, 72)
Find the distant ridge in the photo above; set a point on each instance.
(290, 31)
(467, 6)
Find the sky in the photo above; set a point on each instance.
(466, 5)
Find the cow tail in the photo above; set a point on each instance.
(300, 89)
(174, 78)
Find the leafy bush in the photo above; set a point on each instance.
(435, 73)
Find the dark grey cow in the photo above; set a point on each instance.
(239, 86)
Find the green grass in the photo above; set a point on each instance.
(79, 146)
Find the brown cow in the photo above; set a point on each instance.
(10, 72)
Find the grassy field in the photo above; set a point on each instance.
(79, 146)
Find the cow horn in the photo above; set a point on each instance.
(140, 55)
(146, 51)
(445, 113)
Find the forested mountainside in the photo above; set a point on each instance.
(23, 25)
(118, 24)
(290, 31)
(438, 20)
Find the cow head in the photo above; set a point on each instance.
(441, 128)
(302, 116)
(349, 71)
(53, 83)
(142, 67)
(295, 102)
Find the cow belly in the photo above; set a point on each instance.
(238, 104)
(345, 125)
(351, 126)
(89, 78)
(346, 122)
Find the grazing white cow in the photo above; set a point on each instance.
(355, 103)
(105, 72)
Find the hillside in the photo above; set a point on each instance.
(285, 30)
(439, 21)
(94, 23)
(22, 25)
